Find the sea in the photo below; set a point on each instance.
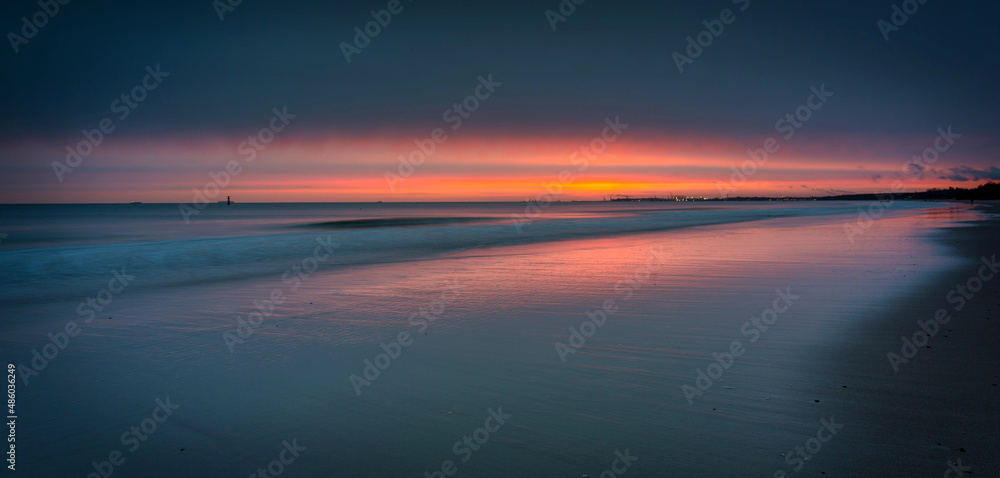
(435, 340)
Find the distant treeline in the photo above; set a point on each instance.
(990, 190)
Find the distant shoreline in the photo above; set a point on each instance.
(860, 198)
(984, 192)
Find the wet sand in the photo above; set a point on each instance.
(939, 408)
(492, 346)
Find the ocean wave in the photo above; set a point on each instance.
(80, 271)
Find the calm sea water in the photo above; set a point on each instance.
(253, 318)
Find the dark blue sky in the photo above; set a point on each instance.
(608, 57)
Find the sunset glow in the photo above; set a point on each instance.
(308, 169)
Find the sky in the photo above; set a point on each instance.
(271, 101)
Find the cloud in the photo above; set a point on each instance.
(916, 169)
(835, 192)
(965, 173)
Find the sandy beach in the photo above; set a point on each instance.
(749, 346)
(939, 406)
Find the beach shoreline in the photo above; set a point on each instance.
(679, 296)
(930, 408)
